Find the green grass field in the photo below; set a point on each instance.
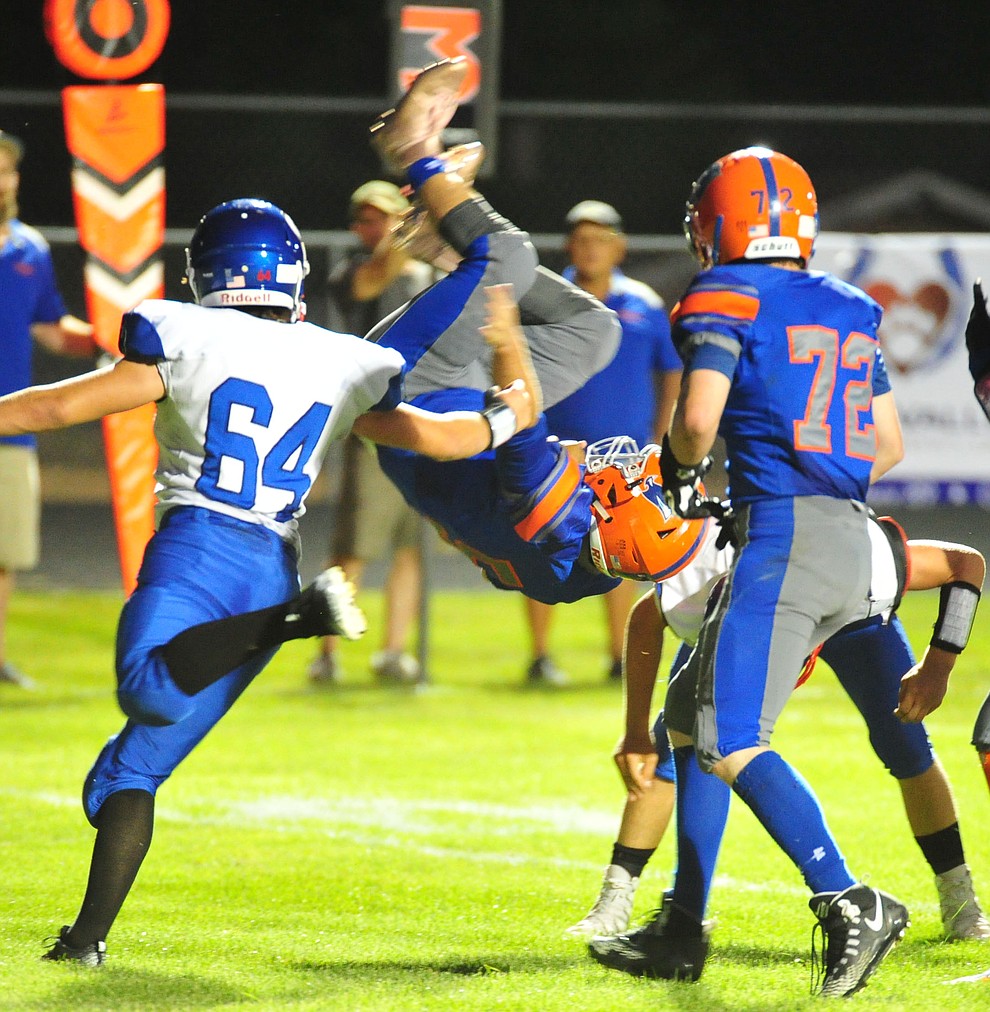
(363, 848)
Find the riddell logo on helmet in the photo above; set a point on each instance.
(239, 298)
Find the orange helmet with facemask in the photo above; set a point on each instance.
(753, 204)
(634, 533)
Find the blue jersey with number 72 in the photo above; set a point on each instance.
(802, 352)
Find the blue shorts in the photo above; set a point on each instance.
(200, 566)
(869, 661)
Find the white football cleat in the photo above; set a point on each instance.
(962, 917)
(464, 160)
(612, 910)
(331, 594)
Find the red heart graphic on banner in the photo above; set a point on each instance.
(930, 303)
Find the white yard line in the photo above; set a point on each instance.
(398, 823)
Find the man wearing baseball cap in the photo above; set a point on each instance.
(634, 394)
(372, 518)
(30, 308)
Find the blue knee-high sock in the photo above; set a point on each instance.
(789, 811)
(702, 808)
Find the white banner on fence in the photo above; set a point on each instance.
(924, 283)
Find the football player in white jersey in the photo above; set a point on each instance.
(247, 403)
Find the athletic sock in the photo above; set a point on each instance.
(124, 824)
(943, 850)
(633, 859)
(702, 809)
(787, 808)
(204, 653)
(469, 220)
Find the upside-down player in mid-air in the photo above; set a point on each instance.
(523, 513)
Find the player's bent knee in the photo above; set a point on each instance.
(148, 695)
(729, 767)
(905, 750)
(110, 775)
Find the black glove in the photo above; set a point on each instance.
(682, 484)
(727, 534)
(978, 345)
(978, 334)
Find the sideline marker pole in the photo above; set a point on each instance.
(116, 135)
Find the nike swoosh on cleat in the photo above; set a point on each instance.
(875, 923)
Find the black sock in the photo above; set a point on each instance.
(633, 859)
(124, 826)
(205, 653)
(943, 850)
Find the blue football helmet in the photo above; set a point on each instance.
(247, 253)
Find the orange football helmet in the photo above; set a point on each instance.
(753, 204)
(634, 533)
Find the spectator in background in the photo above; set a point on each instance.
(372, 518)
(30, 307)
(635, 394)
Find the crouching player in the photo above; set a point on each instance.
(875, 665)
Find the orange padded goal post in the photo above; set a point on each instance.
(116, 136)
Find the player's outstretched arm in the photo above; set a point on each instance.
(511, 359)
(636, 755)
(959, 570)
(85, 398)
(452, 435)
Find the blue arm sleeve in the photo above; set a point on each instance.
(139, 340)
(881, 381)
(393, 396)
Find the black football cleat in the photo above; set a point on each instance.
(673, 945)
(860, 926)
(91, 955)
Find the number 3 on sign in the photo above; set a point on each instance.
(440, 33)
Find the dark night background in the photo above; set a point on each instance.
(868, 97)
(685, 60)
(625, 50)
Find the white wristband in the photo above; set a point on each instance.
(501, 420)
